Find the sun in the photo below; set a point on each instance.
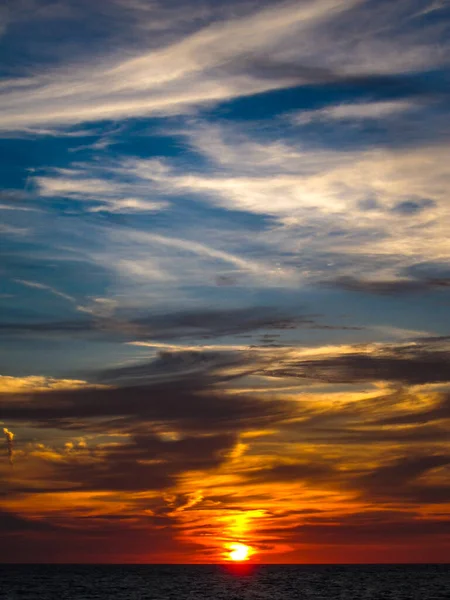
(238, 552)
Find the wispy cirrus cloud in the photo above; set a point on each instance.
(198, 69)
(106, 194)
(411, 363)
(391, 204)
(42, 286)
(357, 111)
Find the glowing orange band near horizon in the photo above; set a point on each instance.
(239, 552)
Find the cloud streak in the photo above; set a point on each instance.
(198, 68)
(9, 436)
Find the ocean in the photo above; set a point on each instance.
(223, 582)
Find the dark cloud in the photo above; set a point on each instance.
(12, 523)
(179, 389)
(361, 434)
(441, 410)
(305, 471)
(81, 326)
(374, 421)
(201, 421)
(401, 480)
(410, 365)
(93, 541)
(185, 364)
(226, 280)
(182, 404)
(216, 322)
(371, 527)
(204, 324)
(403, 470)
(412, 207)
(145, 462)
(412, 85)
(429, 270)
(394, 286)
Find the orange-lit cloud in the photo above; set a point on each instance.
(320, 466)
(9, 435)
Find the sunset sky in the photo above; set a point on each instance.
(225, 281)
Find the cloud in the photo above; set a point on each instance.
(179, 363)
(181, 325)
(404, 470)
(411, 207)
(37, 383)
(13, 523)
(357, 111)
(313, 471)
(165, 80)
(48, 288)
(187, 501)
(411, 364)
(323, 203)
(441, 410)
(9, 436)
(12, 230)
(114, 196)
(370, 527)
(145, 462)
(401, 479)
(202, 250)
(149, 433)
(200, 67)
(189, 402)
(394, 286)
(317, 206)
(176, 438)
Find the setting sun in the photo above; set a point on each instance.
(239, 552)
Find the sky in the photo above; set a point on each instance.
(225, 281)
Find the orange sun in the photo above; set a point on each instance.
(238, 552)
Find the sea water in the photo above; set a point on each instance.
(222, 582)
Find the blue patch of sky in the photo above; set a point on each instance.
(427, 311)
(56, 253)
(54, 356)
(150, 137)
(39, 152)
(186, 213)
(341, 90)
(269, 112)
